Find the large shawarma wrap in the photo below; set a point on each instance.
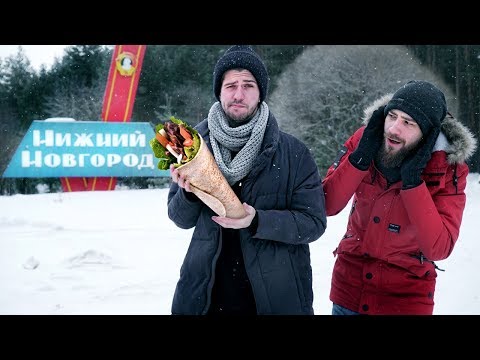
(191, 156)
(209, 184)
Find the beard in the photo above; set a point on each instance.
(235, 120)
(391, 159)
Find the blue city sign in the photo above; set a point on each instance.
(85, 149)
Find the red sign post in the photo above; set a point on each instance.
(118, 101)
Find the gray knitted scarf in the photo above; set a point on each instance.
(245, 139)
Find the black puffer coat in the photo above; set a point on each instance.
(285, 188)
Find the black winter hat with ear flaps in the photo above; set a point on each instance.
(241, 56)
(423, 101)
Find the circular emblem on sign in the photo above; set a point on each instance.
(126, 64)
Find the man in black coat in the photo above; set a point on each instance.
(258, 264)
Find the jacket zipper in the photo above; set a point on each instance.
(212, 279)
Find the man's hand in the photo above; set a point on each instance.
(180, 180)
(413, 165)
(237, 223)
(370, 142)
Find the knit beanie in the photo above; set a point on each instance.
(241, 56)
(423, 101)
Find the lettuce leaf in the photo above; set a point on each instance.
(160, 152)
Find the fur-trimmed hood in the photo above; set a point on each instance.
(455, 138)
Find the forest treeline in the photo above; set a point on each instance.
(316, 92)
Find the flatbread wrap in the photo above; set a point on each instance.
(196, 163)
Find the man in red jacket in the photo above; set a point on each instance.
(407, 174)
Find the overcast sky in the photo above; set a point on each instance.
(37, 54)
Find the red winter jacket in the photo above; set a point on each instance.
(385, 258)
